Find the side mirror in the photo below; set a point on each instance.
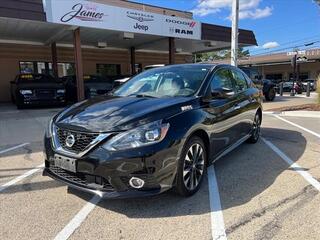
(218, 93)
(221, 93)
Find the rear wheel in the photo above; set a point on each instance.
(192, 166)
(20, 105)
(256, 128)
(271, 94)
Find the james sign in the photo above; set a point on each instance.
(96, 15)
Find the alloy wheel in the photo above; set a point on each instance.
(193, 166)
(256, 127)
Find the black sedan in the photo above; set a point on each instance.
(159, 130)
(37, 89)
(94, 85)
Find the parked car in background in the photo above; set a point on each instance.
(160, 130)
(268, 87)
(37, 89)
(94, 85)
(298, 87)
(313, 84)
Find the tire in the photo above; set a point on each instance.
(256, 129)
(19, 104)
(271, 94)
(191, 167)
(12, 99)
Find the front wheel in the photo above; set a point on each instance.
(256, 128)
(192, 167)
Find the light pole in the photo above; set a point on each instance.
(234, 37)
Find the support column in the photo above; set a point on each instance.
(54, 59)
(172, 50)
(234, 34)
(78, 64)
(133, 60)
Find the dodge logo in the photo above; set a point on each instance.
(70, 140)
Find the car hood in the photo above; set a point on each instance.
(109, 113)
(40, 85)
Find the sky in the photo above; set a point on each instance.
(279, 25)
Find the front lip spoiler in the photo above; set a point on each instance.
(104, 195)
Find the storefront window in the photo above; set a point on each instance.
(41, 67)
(138, 67)
(108, 70)
(36, 67)
(302, 76)
(26, 67)
(276, 76)
(66, 69)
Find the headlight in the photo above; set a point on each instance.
(24, 92)
(49, 128)
(61, 91)
(141, 136)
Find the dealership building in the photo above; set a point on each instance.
(278, 66)
(106, 37)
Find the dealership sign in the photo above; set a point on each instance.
(88, 14)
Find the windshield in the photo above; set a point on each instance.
(171, 81)
(36, 78)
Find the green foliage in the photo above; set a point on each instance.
(221, 55)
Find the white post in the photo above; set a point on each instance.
(234, 40)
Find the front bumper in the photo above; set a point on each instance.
(37, 100)
(108, 174)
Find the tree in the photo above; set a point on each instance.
(221, 55)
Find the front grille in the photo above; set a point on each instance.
(45, 93)
(82, 140)
(84, 180)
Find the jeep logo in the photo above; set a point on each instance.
(141, 27)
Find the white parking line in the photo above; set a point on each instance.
(298, 126)
(19, 178)
(78, 219)
(217, 223)
(13, 148)
(307, 176)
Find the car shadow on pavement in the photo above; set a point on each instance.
(241, 175)
(250, 170)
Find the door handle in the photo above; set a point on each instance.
(236, 107)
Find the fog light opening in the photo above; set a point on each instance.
(136, 182)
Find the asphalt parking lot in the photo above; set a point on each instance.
(269, 190)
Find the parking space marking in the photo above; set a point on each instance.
(298, 126)
(13, 148)
(19, 178)
(307, 176)
(217, 223)
(78, 219)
